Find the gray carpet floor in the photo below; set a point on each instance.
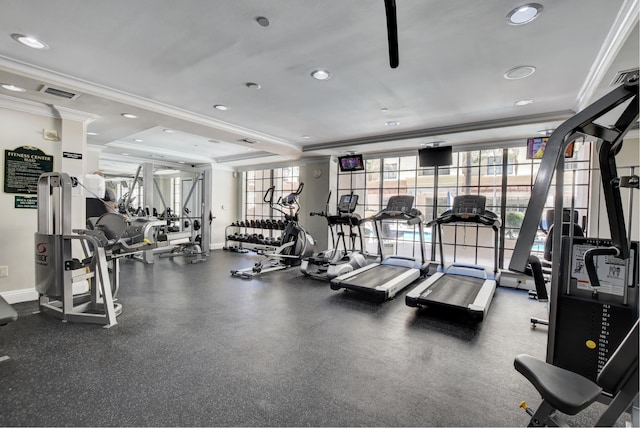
(197, 347)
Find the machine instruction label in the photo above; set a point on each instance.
(611, 271)
(23, 167)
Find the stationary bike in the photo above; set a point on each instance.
(295, 244)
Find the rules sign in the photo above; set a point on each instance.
(22, 168)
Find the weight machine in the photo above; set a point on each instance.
(187, 231)
(594, 283)
(57, 271)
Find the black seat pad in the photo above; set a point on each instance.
(564, 390)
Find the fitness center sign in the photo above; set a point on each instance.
(23, 167)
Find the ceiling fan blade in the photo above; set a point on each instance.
(392, 32)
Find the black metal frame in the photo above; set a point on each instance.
(572, 129)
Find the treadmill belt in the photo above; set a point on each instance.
(375, 277)
(453, 290)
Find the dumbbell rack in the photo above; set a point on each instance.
(242, 240)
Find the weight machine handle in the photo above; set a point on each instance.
(590, 265)
(297, 192)
(268, 196)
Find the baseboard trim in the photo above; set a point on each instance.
(30, 294)
(19, 296)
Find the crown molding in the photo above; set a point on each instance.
(45, 75)
(160, 152)
(26, 106)
(75, 115)
(46, 110)
(623, 25)
(445, 130)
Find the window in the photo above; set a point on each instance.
(494, 166)
(177, 188)
(284, 181)
(504, 176)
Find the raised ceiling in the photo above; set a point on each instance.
(170, 63)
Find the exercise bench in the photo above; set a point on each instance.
(570, 392)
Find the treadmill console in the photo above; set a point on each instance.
(400, 203)
(347, 204)
(468, 209)
(469, 204)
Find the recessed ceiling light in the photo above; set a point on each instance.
(524, 14)
(30, 41)
(384, 109)
(392, 123)
(129, 115)
(321, 74)
(520, 72)
(306, 137)
(253, 85)
(167, 130)
(92, 133)
(13, 88)
(221, 107)
(124, 154)
(249, 150)
(264, 22)
(137, 140)
(180, 161)
(523, 102)
(214, 141)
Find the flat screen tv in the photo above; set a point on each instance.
(535, 148)
(351, 163)
(435, 156)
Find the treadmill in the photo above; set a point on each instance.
(385, 279)
(461, 287)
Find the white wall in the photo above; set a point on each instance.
(315, 177)
(18, 226)
(225, 194)
(22, 124)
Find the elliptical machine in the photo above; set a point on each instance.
(339, 259)
(295, 243)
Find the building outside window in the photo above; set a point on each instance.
(285, 180)
(476, 172)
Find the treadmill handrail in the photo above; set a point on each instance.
(447, 218)
(393, 215)
(467, 266)
(401, 257)
(482, 219)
